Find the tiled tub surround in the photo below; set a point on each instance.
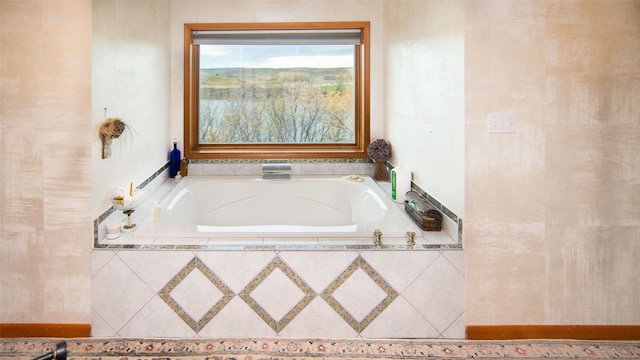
(157, 189)
(209, 288)
(289, 294)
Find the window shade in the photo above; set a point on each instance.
(278, 37)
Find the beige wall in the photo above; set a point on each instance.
(552, 222)
(45, 187)
(552, 227)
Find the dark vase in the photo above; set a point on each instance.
(381, 172)
(174, 161)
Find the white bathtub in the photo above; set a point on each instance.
(309, 207)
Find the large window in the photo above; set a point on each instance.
(276, 90)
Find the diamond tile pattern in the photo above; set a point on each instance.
(328, 294)
(311, 294)
(277, 325)
(277, 303)
(196, 283)
(190, 291)
(359, 294)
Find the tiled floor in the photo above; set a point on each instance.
(266, 293)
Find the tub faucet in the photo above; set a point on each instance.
(377, 238)
(276, 171)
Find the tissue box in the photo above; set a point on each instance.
(423, 214)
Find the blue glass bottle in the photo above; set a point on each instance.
(174, 161)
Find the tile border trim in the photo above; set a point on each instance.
(293, 161)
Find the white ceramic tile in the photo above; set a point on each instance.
(164, 188)
(117, 293)
(277, 294)
(181, 241)
(128, 238)
(456, 258)
(125, 238)
(318, 268)
(219, 169)
(318, 320)
(236, 320)
(99, 327)
(400, 268)
(306, 169)
(195, 169)
(436, 237)
(196, 294)
(359, 294)
(438, 294)
(236, 268)
(156, 320)
(400, 320)
(293, 241)
(156, 268)
(346, 241)
(99, 258)
(352, 169)
(457, 330)
(249, 169)
(156, 190)
(450, 227)
(235, 241)
(143, 240)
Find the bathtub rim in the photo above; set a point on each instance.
(429, 241)
(388, 225)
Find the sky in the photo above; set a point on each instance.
(276, 56)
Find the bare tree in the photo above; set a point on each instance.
(297, 109)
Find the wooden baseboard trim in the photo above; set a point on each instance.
(577, 332)
(45, 330)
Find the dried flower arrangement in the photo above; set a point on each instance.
(379, 151)
(110, 129)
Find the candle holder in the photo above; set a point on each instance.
(127, 204)
(129, 225)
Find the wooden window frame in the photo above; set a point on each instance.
(194, 150)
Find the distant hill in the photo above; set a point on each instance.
(221, 78)
(262, 71)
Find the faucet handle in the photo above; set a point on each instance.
(411, 238)
(377, 237)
